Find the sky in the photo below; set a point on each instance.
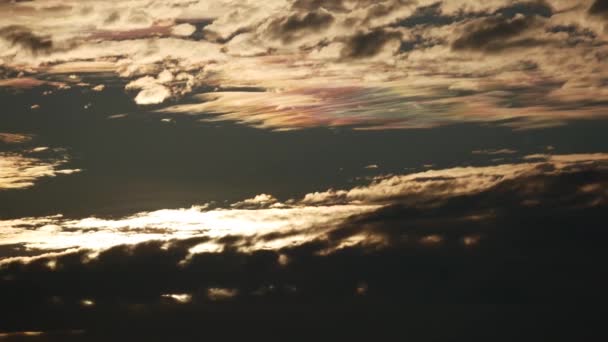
(414, 170)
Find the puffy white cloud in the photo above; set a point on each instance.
(153, 94)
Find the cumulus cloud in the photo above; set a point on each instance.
(152, 90)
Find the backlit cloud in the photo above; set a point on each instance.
(18, 171)
(266, 224)
(402, 64)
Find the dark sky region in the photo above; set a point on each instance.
(393, 170)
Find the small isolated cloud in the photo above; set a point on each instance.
(99, 87)
(181, 298)
(18, 171)
(14, 138)
(218, 293)
(21, 334)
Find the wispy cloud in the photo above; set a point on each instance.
(18, 171)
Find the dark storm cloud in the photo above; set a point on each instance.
(496, 33)
(368, 44)
(531, 242)
(288, 28)
(23, 37)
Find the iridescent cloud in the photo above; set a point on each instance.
(373, 65)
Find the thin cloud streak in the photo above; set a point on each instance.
(18, 171)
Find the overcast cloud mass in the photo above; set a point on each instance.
(413, 170)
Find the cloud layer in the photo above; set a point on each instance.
(386, 64)
(263, 223)
(527, 243)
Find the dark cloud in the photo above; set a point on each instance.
(368, 44)
(526, 8)
(599, 7)
(428, 15)
(290, 27)
(497, 33)
(23, 37)
(310, 5)
(531, 249)
(432, 15)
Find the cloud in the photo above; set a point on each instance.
(261, 200)
(368, 44)
(18, 171)
(216, 293)
(181, 298)
(493, 34)
(153, 90)
(14, 138)
(23, 37)
(298, 224)
(599, 7)
(413, 64)
(332, 5)
(291, 27)
(544, 228)
(495, 152)
(262, 223)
